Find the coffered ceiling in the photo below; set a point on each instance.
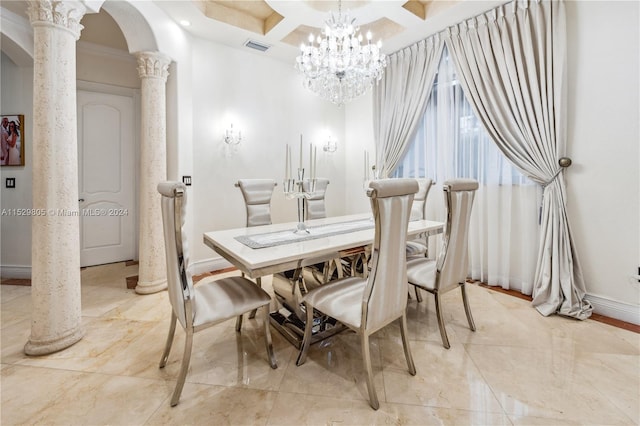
(282, 25)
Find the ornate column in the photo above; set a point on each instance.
(55, 246)
(152, 270)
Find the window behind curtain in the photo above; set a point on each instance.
(451, 142)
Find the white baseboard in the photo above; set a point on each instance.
(200, 267)
(15, 271)
(208, 265)
(613, 309)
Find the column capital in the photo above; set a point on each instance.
(153, 65)
(63, 14)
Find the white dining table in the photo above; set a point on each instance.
(258, 262)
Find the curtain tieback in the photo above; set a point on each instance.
(563, 162)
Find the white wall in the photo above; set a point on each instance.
(359, 138)
(604, 139)
(15, 231)
(265, 99)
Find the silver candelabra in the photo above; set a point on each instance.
(294, 186)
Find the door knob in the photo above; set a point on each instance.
(81, 200)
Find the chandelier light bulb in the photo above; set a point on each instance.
(338, 67)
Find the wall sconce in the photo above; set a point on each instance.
(330, 146)
(231, 137)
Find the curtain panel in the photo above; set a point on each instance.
(400, 99)
(511, 64)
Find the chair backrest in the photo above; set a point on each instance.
(452, 266)
(418, 208)
(179, 282)
(257, 199)
(385, 298)
(315, 207)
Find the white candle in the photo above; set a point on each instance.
(366, 165)
(289, 148)
(315, 161)
(311, 161)
(286, 163)
(300, 167)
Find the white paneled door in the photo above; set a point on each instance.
(106, 158)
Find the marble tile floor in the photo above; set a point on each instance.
(519, 368)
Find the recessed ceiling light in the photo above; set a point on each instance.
(185, 23)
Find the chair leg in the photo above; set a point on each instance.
(167, 347)
(443, 330)
(366, 359)
(405, 343)
(267, 337)
(238, 323)
(186, 358)
(418, 295)
(306, 340)
(467, 308)
(252, 315)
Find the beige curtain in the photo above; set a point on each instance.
(511, 64)
(400, 99)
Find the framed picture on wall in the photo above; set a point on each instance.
(12, 140)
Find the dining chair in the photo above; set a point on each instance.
(366, 305)
(207, 303)
(315, 208)
(419, 246)
(449, 270)
(315, 205)
(257, 195)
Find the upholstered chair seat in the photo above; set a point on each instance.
(450, 269)
(257, 195)
(315, 205)
(418, 246)
(206, 304)
(367, 304)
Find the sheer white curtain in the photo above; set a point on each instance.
(511, 63)
(400, 98)
(451, 142)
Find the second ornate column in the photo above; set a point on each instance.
(153, 71)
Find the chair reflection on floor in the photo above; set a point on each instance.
(450, 269)
(208, 303)
(366, 305)
(257, 195)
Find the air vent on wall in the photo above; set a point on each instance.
(258, 46)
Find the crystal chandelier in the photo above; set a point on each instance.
(338, 67)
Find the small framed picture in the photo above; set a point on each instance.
(12, 140)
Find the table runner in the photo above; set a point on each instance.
(288, 236)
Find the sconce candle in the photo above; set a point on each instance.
(330, 145)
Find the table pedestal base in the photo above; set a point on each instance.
(292, 328)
